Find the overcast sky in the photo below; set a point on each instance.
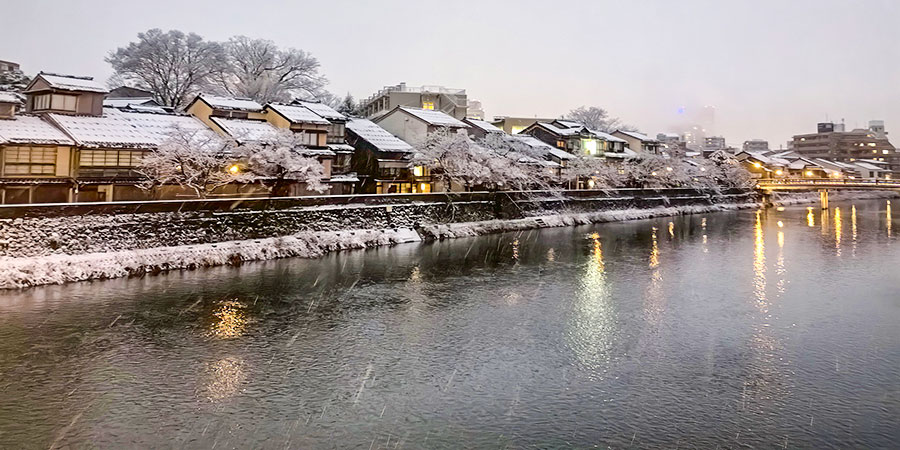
(772, 68)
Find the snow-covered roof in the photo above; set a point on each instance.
(377, 136)
(868, 166)
(10, 97)
(31, 130)
(639, 136)
(536, 143)
(626, 154)
(875, 162)
(537, 162)
(487, 127)
(691, 154)
(568, 123)
(562, 131)
(341, 147)
(72, 83)
(230, 103)
(607, 136)
(244, 130)
(297, 114)
(432, 117)
(121, 102)
(159, 126)
(345, 178)
(322, 110)
(109, 130)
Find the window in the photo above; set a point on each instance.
(62, 102)
(427, 105)
(41, 101)
(30, 161)
(110, 158)
(308, 139)
(561, 144)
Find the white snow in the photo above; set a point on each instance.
(109, 130)
(322, 110)
(244, 130)
(433, 117)
(10, 97)
(377, 136)
(58, 269)
(297, 114)
(639, 136)
(158, 127)
(484, 126)
(31, 130)
(72, 83)
(231, 103)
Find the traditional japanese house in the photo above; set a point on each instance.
(381, 161)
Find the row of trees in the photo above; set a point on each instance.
(175, 66)
(501, 162)
(203, 161)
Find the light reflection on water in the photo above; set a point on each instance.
(593, 324)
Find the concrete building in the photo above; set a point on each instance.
(452, 102)
(755, 145)
(833, 143)
(412, 125)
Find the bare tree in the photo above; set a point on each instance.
(258, 69)
(173, 65)
(596, 118)
(282, 160)
(198, 159)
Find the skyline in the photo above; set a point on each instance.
(642, 63)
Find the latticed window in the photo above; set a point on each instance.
(110, 158)
(29, 161)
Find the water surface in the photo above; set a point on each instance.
(753, 328)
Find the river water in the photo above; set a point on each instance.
(777, 328)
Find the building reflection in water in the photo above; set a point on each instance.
(224, 378)
(230, 320)
(592, 327)
(810, 219)
(825, 219)
(853, 227)
(671, 230)
(703, 227)
(515, 249)
(551, 255)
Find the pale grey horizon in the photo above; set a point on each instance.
(772, 69)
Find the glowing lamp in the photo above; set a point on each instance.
(757, 165)
(809, 173)
(234, 169)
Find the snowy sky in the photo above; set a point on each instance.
(772, 68)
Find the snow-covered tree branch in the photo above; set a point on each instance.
(596, 118)
(282, 160)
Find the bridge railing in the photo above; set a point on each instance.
(829, 182)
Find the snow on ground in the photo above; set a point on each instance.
(58, 269)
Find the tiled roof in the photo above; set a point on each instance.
(377, 136)
(322, 110)
(243, 130)
(484, 126)
(231, 103)
(297, 114)
(109, 130)
(10, 97)
(31, 130)
(638, 136)
(432, 117)
(72, 83)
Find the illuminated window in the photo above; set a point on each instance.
(418, 171)
(516, 130)
(872, 144)
(590, 146)
(561, 144)
(427, 105)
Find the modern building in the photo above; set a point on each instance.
(9, 66)
(639, 142)
(831, 142)
(413, 125)
(452, 102)
(515, 125)
(756, 145)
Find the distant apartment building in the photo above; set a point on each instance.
(452, 102)
(756, 145)
(832, 142)
(413, 125)
(9, 66)
(475, 110)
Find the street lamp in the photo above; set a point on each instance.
(234, 169)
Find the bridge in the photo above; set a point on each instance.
(823, 185)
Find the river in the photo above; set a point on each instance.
(776, 328)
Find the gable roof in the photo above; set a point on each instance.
(68, 83)
(538, 144)
(109, 130)
(430, 117)
(639, 136)
(122, 102)
(297, 114)
(10, 97)
(158, 126)
(24, 129)
(321, 109)
(244, 130)
(228, 103)
(378, 137)
(487, 127)
(607, 136)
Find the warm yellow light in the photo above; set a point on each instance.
(757, 165)
(809, 173)
(234, 169)
(780, 224)
(778, 172)
(418, 171)
(669, 169)
(653, 173)
(591, 184)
